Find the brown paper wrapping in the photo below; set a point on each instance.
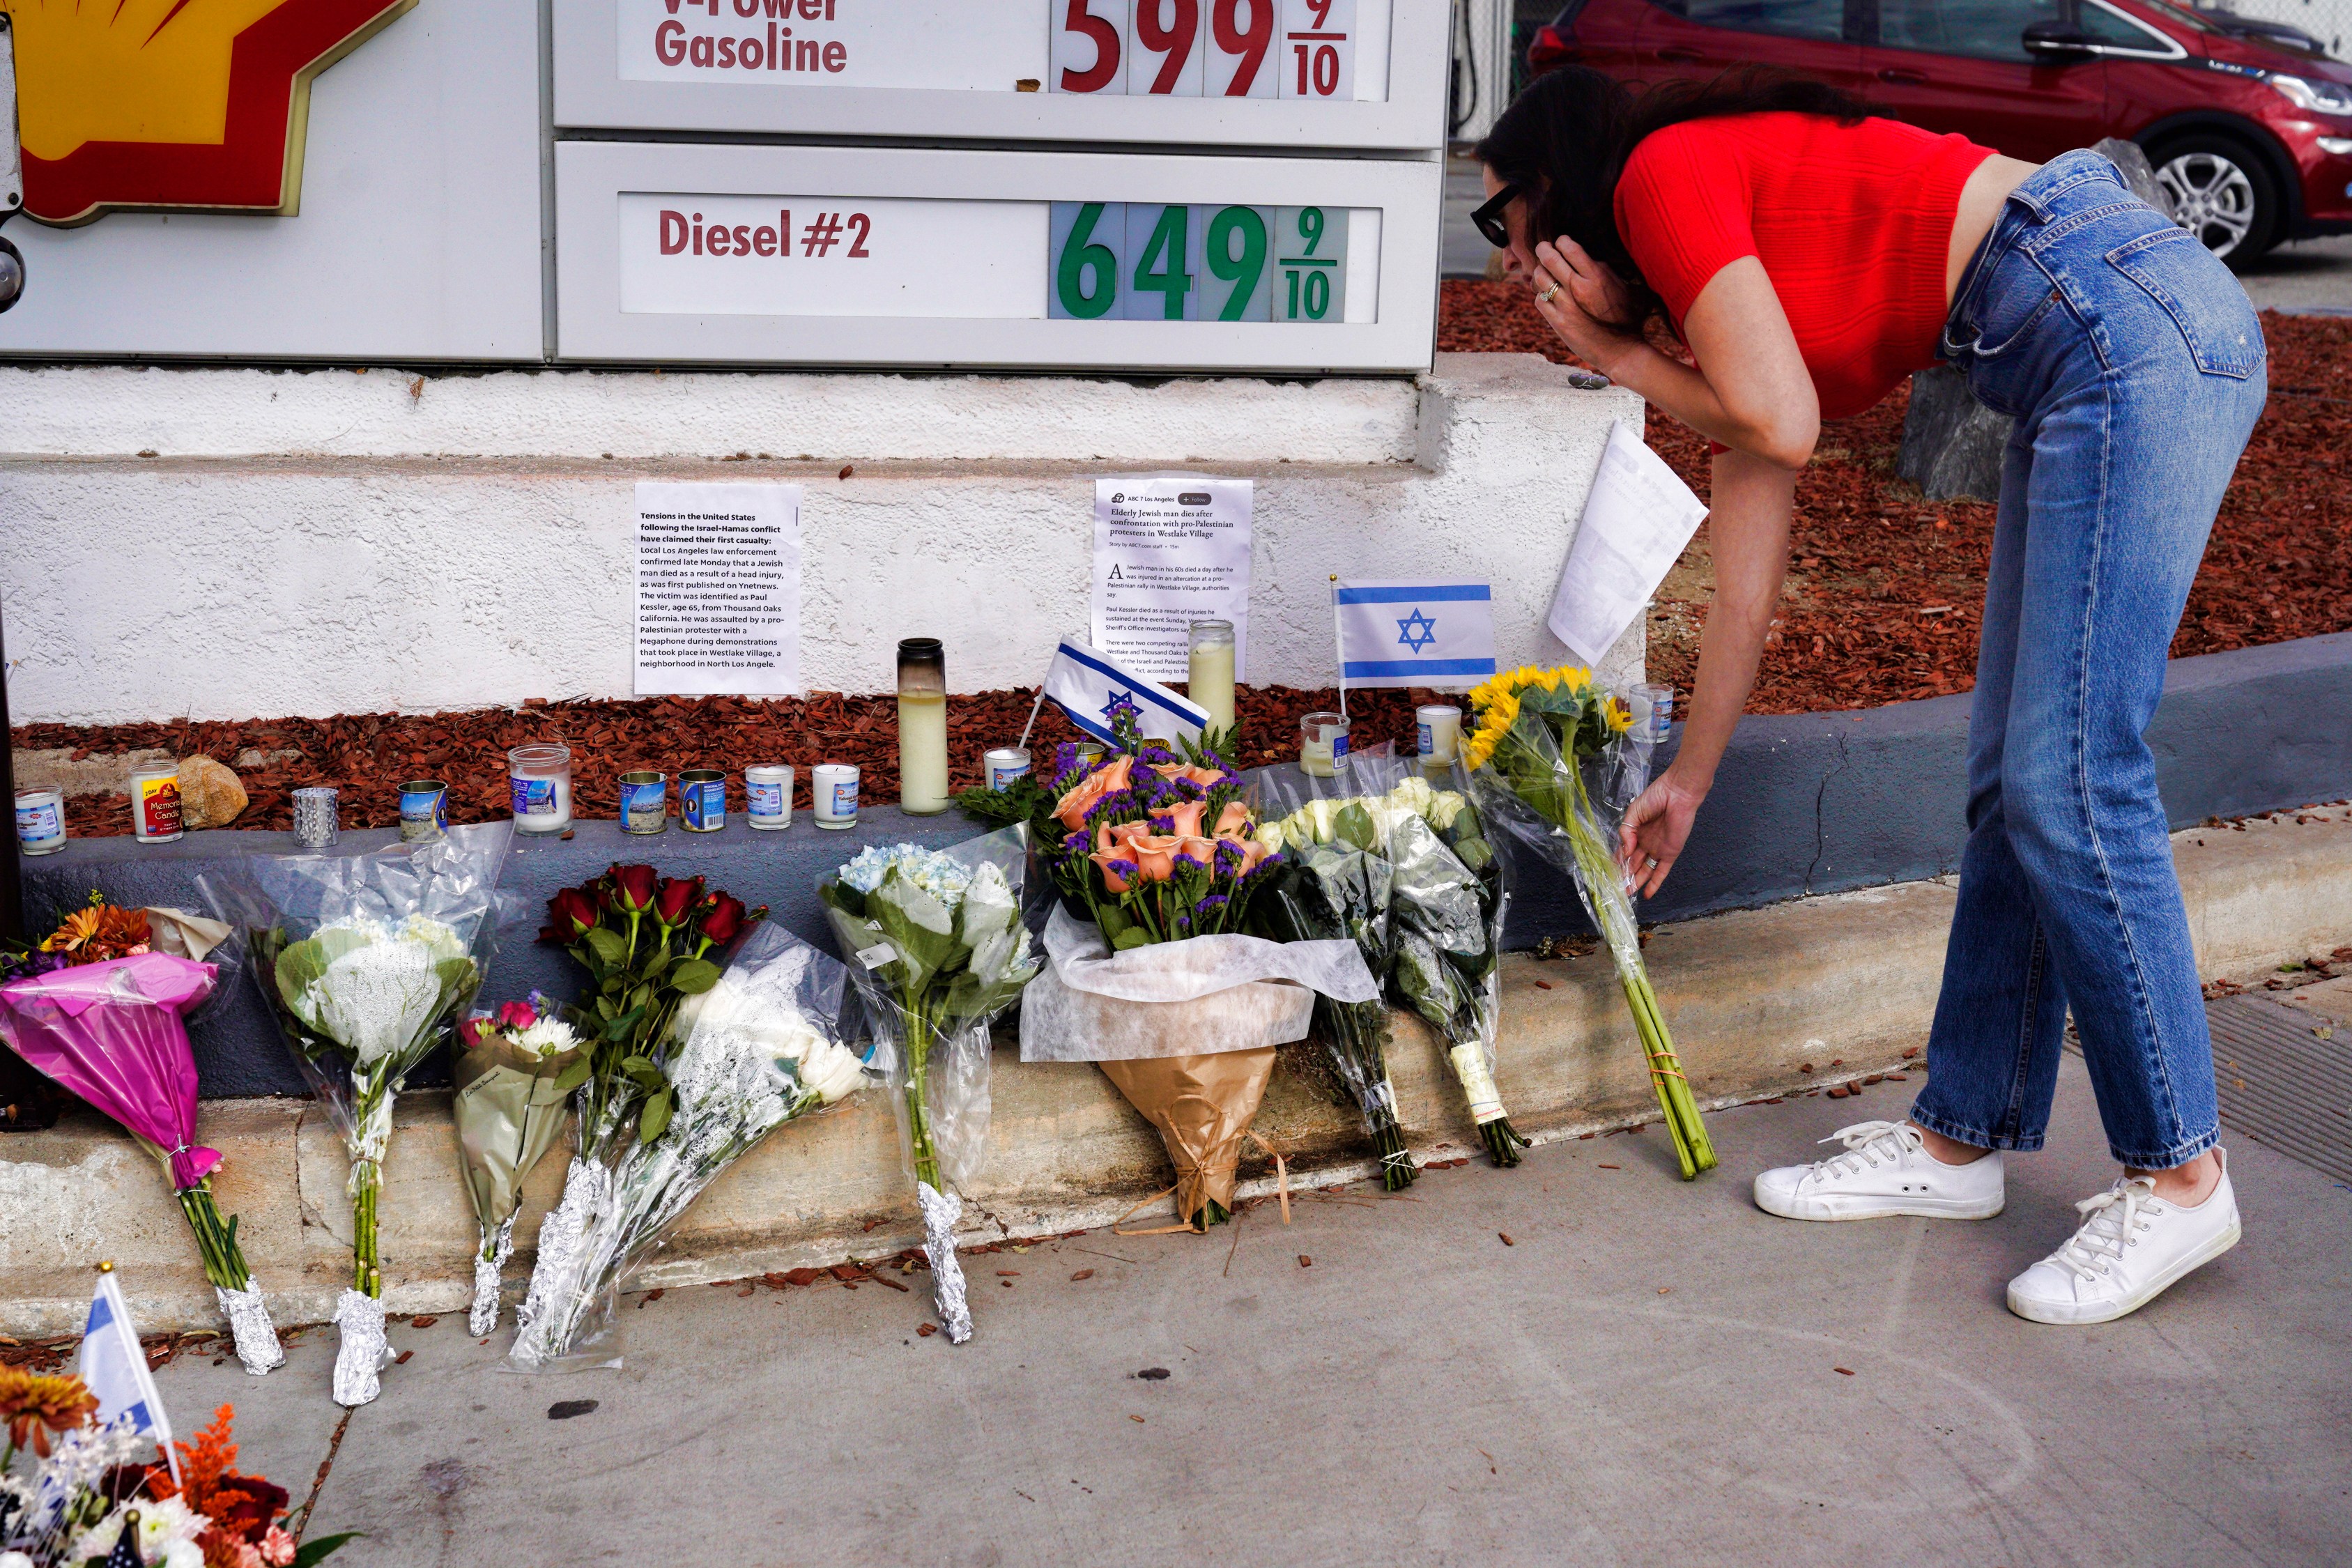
(1202, 1106)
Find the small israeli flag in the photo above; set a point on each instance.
(115, 1368)
(1094, 691)
(1414, 634)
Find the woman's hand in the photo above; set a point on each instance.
(1657, 825)
(1589, 305)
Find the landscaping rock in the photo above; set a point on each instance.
(1951, 442)
(210, 794)
(2137, 172)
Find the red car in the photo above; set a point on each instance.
(2250, 132)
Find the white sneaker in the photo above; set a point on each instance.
(1885, 1169)
(2132, 1247)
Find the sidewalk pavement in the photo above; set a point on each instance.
(1648, 1372)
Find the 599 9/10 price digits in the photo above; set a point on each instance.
(1148, 261)
(1206, 48)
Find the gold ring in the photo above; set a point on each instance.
(1546, 296)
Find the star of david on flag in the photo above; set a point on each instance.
(1090, 687)
(1415, 633)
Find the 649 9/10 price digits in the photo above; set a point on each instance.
(1149, 261)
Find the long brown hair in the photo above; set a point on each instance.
(1564, 140)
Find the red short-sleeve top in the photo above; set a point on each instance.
(1852, 223)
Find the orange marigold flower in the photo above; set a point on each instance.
(33, 1406)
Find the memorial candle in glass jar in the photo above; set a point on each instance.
(922, 727)
(1211, 680)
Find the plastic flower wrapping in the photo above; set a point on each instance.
(1158, 973)
(73, 1493)
(1447, 898)
(647, 945)
(761, 1046)
(509, 1109)
(937, 951)
(1554, 762)
(114, 1031)
(366, 959)
(1336, 884)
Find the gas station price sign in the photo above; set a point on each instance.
(908, 257)
(1281, 73)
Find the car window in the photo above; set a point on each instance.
(1787, 18)
(2102, 25)
(1981, 30)
(2181, 15)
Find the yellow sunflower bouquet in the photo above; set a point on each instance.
(1544, 739)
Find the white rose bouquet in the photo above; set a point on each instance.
(367, 961)
(762, 1048)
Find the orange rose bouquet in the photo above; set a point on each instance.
(1158, 972)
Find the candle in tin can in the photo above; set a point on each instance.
(40, 821)
(315, 824)
(836, 793)
(768, 795)
(424, 810)
(1091, 754)
(702, 800)
(541, 778)
(156, 804)
(645, 802)
(1003, 765)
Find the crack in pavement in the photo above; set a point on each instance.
(1820, 795)
(318, 1481)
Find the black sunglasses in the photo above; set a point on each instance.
(1489, 220)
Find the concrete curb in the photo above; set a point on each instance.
(1843, 983)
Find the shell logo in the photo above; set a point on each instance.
(174, 103)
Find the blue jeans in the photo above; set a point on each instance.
(2135, 368)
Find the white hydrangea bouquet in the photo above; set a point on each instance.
(762, 1048)
(938, 950)
(367, 960)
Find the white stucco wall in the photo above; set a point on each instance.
(230, 544)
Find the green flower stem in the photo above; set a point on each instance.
(216, 1242)
(367, 1261)
(1503, 1142)
(1597, 869)
(919, 1115)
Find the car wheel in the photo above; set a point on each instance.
(2219, 191)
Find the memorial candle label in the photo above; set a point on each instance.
(718, 589)
(1170, 551)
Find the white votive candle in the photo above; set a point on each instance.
(1440, 732)
(835, 786)
(1322, 745)
(540, 778)
(768, 795)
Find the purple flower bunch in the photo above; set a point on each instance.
(1158, 848)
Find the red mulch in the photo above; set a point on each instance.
(1884, 605)
(1886, 594)
(367, 755)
